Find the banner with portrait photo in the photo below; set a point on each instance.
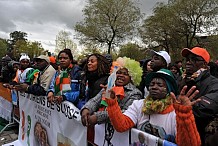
(49, 124)
(139, 137)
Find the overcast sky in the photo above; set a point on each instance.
(43, 19)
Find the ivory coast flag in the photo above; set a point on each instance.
(62, 83)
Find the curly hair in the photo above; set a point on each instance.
(103, 65)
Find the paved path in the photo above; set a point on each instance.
(8, 136)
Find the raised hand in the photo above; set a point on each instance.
(186, 99)
(85, 117)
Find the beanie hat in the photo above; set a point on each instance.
(167, 76)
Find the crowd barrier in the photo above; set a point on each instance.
(48, 124)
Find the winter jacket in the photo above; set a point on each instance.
(131, 93)
(205, 110)
(72, 95)
(42, 83)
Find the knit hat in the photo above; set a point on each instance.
(26, 57)
(167, 76)
(163, 54)
(197, 51)
(133, 67)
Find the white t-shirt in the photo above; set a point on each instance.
(163, 124)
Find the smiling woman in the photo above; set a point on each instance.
(128, 74)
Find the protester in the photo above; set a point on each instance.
(129, 73)
(146, 66)
(159, 60)
(21, 73)
(158, 113)
(176, 72)
(39, 80)
(213, 69)
(13, 67)
(65, 83)
(179, 64)
(5, 78)
(96, 72)
(197, 74)
(24, 70)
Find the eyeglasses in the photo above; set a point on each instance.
(193, 59)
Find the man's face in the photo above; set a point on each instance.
(193, 63)
(157, 88)
(157, 62)
(40, 64)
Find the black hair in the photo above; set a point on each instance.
(103, 64)
(176, 66)
(68, 52)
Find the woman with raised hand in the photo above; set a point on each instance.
(127, 76)
(160, 113)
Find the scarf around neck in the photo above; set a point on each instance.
(194, 75)
(63, 81)
(156, 106)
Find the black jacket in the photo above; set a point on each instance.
(205, 110)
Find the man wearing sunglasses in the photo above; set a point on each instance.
(197, 74)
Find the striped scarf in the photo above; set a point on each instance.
(63, 80)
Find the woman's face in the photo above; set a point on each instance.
(157, 88)
(123, 77)
(149, 66)
(38, 129)
(24, 63)
(174, 70)
(92, 63)
(16, 67)
(64, 60)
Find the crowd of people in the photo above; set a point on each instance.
(171, 100)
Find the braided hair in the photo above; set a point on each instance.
(102, 63)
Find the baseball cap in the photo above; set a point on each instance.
(46, 58)
(168, 76)
(197, 51)
(52, 59)
(163, 54)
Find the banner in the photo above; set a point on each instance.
(140, 137)
(106, 135)
(48, 124)
(5, 109)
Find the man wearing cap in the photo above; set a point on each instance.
(40, 80)
(159, 60)
(197, 74)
